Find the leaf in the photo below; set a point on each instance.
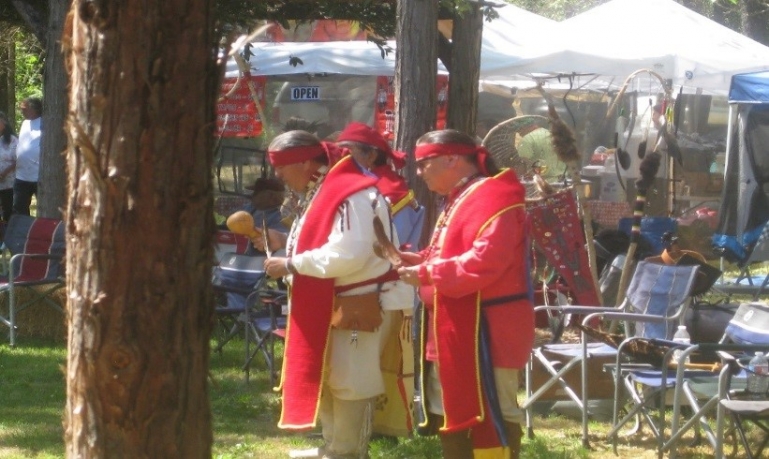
(293, 61)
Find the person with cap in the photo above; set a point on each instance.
(374, 153)
(393, 416)
(474, 281)
(330, 370)
(267, 196)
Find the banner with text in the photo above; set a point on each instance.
(236, 113)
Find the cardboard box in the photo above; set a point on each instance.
(600, 384)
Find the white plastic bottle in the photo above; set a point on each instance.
(758, 376)
(682, 337)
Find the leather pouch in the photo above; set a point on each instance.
(357, 312)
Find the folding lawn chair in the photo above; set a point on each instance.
(36, 246)
(252, 309)
(724, 390)
(656, 300)
(266, 318)
(227, 243)
(746, 410)
(753, 248)
(233, 280)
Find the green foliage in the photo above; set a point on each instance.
(28, 68)
(557, 9)
(376, 16)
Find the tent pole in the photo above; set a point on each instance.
(729, 128)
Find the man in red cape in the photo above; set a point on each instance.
(328, 373)
(474, 282)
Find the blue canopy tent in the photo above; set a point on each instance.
(742, 235)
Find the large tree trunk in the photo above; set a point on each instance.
(463, 85)
(139, 229)
(415, 99)
(52, 180)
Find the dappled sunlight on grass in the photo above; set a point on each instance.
(245, 417)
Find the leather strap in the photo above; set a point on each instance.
(390, 275)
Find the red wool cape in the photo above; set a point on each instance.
(309, 322)
(457, 320)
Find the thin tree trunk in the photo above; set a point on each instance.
(33, 18)
(463, 84)
(415, 99)
(52, 179)
(755, 20)
(7, 78)
(139, 228)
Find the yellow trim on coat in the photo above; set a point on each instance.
(498, 452)
(398, 206)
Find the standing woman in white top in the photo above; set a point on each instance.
(8, 143)
(28, 155)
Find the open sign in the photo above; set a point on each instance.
(305, 93)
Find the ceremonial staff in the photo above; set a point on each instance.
(648, 169)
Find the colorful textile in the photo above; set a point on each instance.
(557, 231)
(393, 409)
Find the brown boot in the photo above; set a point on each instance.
(514, 435)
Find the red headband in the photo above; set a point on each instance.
(300, 154)
(363, 133)
(431, 150)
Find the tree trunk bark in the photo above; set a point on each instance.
(52, 179)
(415, 99)
(33, 18)
(755, 20)
(463, 84)
(139, 228)
(7, 79)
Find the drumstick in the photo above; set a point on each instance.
(265, 239)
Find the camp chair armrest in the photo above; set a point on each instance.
(16, 259)
(613, 314)
(572, 309)
(40, 256)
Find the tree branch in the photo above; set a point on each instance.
(33, 18)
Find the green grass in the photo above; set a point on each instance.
(33, 394)
(245, 416)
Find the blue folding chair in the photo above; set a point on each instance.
(724, 390)
(248, 307)
(655, 302)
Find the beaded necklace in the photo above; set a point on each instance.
(304, 203)
(461, 191)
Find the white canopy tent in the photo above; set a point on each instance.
(338, 57)
(516, 33)
(622, 36)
